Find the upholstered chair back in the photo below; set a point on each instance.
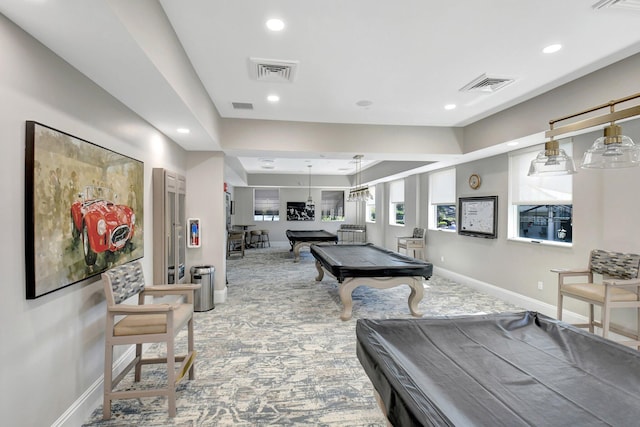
(615, 264)
(123, 282)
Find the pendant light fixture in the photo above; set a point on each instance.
(359, 193)
(309, 203)
(552, 161)
(611, 151)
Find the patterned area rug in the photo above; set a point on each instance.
(276, 353)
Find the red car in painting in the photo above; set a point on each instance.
(103, 225)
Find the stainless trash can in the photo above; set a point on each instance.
(204, 275)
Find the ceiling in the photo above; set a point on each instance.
(179, 64)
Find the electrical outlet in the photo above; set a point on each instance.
(442, 258)
(540, 286)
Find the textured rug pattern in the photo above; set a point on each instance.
(276, 353)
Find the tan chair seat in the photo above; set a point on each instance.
(593, 291)
(144, 324)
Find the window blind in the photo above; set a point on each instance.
(529, 190)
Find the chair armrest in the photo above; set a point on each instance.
(179, 288)
(186, 290)
(621, 282)
(126, 309)
(568, 272)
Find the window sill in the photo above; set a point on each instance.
(541, 242)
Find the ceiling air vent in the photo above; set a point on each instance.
(486, 83)
(272, 70)
(242, 105)
(618, 4)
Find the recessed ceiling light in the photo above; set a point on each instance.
(273, 98)
(450, 106)
(552, 48)
(183, 130)
(275, 24)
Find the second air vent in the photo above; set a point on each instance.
(242, 105)
(272, 70)
(486, 83)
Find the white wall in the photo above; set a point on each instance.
(205, 200)
(53, 347)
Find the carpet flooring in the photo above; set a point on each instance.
(276, 352)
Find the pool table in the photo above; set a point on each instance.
(505, 369)
(300, 238)
(366, 264)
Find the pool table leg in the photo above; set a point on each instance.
(417, 292)
(296, 250)
(320, 271)
(346, 289)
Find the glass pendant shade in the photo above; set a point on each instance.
(360, 193)
(612, 151)
(552, 161)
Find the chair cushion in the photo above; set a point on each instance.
(595, 291)
(143, 324)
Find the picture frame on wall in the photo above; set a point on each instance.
(300, 211)
(84, 209)
(478, 216)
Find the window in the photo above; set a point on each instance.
(266, 205)
(442, 200)
(332, 205)
(541, 207)
(396, 202)
(370, 212)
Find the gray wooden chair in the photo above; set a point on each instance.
(415, 242)
(142, 323)
(236, 243)
(620, 288)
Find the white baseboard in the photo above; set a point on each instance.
(84, 406)
(514, 298)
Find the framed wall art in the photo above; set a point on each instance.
(300, 211)
(478, 216)
(83, 209)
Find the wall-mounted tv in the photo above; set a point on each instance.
(478, 216)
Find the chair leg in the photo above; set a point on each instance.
(171, 378)
(138, 371)
(591, 317)
(606, 318)
(108, 375)
(638, 325)
(559, 315)
(190, 346)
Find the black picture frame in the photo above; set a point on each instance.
(84, 209)
(478, 216)
(300, 211)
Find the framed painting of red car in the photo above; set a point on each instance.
(83, 209)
